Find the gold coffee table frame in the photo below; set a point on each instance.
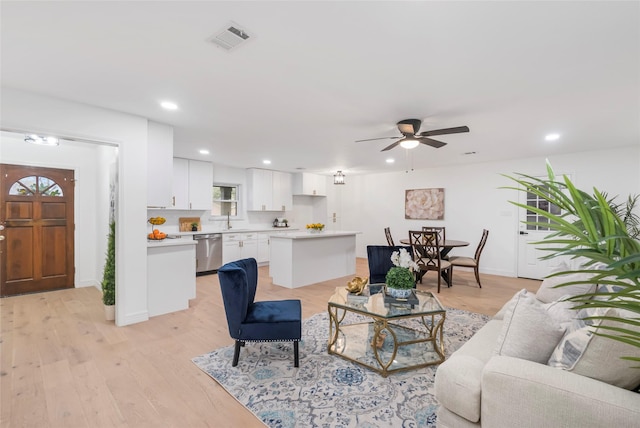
(384, 343)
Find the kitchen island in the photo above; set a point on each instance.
(171, 275)
(303, 258)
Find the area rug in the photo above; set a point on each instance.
(326, 390)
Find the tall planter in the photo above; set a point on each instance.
(109, 275)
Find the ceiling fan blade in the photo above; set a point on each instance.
(373, 139)
(456, 130)
(433, 143)
(391, 146)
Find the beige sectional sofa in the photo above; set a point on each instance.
(491, 383)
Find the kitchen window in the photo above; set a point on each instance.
(225, 200)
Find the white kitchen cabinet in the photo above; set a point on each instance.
(263, 247)
(192, 184)
(159, 164)
(236, 246)
(268, 190)
(282, 191)
(308, 184)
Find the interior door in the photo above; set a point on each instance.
(37, 215)
(530, 263)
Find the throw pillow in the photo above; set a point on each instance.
(528, 331)
(587, 354)
(549, 290)
(562, 311)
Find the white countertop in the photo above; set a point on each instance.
(169, 243)
(238, 230)
(315, 235)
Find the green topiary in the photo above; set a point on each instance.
(109, 274)
(400, 277)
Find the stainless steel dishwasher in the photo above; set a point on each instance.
(208, 252)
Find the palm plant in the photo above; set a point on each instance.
(590, 227)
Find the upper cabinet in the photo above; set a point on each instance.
(192, 184)
(268, 190)
(159, 164)
(308, 184)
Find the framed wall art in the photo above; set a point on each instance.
(424, 204)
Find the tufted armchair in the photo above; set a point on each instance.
(249, 321)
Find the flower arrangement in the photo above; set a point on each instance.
(400, 277)
(315, 226)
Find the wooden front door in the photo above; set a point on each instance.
(37, 216)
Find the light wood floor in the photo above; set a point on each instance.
(62, 365)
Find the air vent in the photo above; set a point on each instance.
(230, 37)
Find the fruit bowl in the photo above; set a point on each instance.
(156, 235)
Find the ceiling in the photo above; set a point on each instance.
(316, 76)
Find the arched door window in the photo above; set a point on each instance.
(35, 185)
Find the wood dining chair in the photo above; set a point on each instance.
(442, 235)
(387, 233)
(469, 261)
(426, 253)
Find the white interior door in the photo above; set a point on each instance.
(530, 263)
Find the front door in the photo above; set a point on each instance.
(37, 216)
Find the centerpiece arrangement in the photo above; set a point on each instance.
(400, 279)
(315, 227)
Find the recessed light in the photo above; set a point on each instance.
(168, 105)
(266, 162)
(551, 137)
(204, 152)
(390, 160)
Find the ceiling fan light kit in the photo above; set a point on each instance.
(410, 138)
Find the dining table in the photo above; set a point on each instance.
(446, 247)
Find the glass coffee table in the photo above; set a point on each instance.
(386, 336)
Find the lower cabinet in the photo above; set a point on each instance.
(263, 248)
(236, 246)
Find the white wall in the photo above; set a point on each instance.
(40, 114)
(474, 200)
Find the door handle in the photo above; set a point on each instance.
(523, 232)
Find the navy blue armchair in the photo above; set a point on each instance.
(249, 321)
(379, 258)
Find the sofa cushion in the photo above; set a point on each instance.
(458, 385)
(528, 331)
(584, 353)
(549, 290)
(562, 311)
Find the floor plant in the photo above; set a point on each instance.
(109, 273)
(591, 229)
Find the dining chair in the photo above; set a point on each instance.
(426, 253)
(250, 321)
(441, 230)
(379, 259)
(387, 233)
(469, 261)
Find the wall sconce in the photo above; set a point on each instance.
(338, 178)
(43, 141)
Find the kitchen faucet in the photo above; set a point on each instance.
(228, 221)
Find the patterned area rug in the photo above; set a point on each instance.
(326, 390)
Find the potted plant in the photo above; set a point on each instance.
(109, 275)
(590, 227)
(194, 226)
(400, 279)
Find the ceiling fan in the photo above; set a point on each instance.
(409, 129)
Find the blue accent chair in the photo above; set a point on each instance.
(249, 321)
(379, 258)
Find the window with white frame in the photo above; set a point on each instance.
(225, 200)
